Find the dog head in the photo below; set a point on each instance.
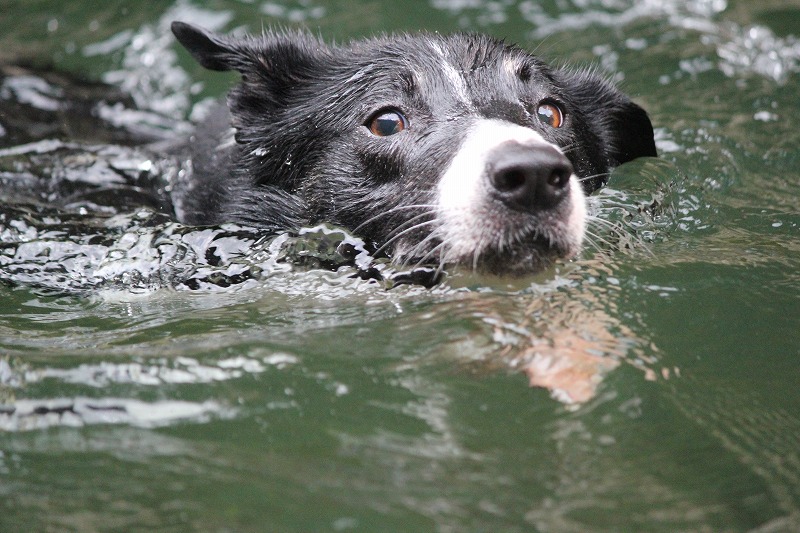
(450, 149)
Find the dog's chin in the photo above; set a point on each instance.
(525, 258)
(528, 253)
(505, 242)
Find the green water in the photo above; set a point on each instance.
(668, 368)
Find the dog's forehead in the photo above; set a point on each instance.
(470, 54)
(453, 75)
(467, 67)
(450, 77)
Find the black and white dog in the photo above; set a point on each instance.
(459, 149)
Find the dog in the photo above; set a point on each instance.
(456, 150)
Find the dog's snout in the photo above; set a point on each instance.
(529, 178)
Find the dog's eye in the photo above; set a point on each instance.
(550, 114)
(387, 122)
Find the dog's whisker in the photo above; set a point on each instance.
(438, 248)
(569, 148)
(415, 227)
(442, 262)
(391, 211)
(476, 252)
(596, 240)
(609, 225)
(601, 175)
(419, 248)
(394, 233)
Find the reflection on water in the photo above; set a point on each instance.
(33, 414)
(27, 415)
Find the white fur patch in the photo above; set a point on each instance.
(511, 65)
(464, 190)
(453, 76)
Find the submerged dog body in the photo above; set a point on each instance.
(457, 149)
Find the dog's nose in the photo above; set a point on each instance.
(529, 178)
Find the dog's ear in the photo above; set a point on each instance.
(273, 54)
(623, 125)
(214, 52)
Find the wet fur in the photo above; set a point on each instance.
(299, 152)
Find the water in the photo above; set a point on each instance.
(168, 378)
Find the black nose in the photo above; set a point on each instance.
(529, 178)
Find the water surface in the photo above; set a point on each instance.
(170, 378)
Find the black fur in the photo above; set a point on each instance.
(303, 155)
